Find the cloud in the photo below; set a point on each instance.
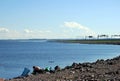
(75, 25)
(4, 30)
(28, 31)
(36, 33)
(6, 33)
(44, 31)
(24, 34)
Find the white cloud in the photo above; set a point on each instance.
(44, 31)
(4, 30)
(25, 33)
(36, 33)
(48, 31)
(28, 31)
(10, 34)
(75, 25)
(68, 30)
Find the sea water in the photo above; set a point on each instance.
(15, 55)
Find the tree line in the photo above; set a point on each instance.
(102, 36)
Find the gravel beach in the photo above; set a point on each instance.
(101, 70)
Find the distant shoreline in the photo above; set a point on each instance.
(81, 41)
(90, 41)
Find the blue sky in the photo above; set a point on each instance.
(23, 19)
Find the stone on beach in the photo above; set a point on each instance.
(101, 70)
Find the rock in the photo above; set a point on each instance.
(108, 70)
(100, 61)
(74, 65)
(68, 67)
(1, 79)
(57, 68)
(87, 65)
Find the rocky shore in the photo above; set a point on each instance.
(101, 70)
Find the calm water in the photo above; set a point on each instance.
(17, 54)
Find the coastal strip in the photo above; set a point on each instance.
(89, 41)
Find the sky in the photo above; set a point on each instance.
(56, 19)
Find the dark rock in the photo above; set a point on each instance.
(100, 61)
(87, 65)
(74, 65)
(57, 68)
(68, 67)
(116, 58)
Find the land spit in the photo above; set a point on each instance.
(89, 41)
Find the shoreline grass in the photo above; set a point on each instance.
(90, 41)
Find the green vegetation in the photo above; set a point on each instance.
(91, 41)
